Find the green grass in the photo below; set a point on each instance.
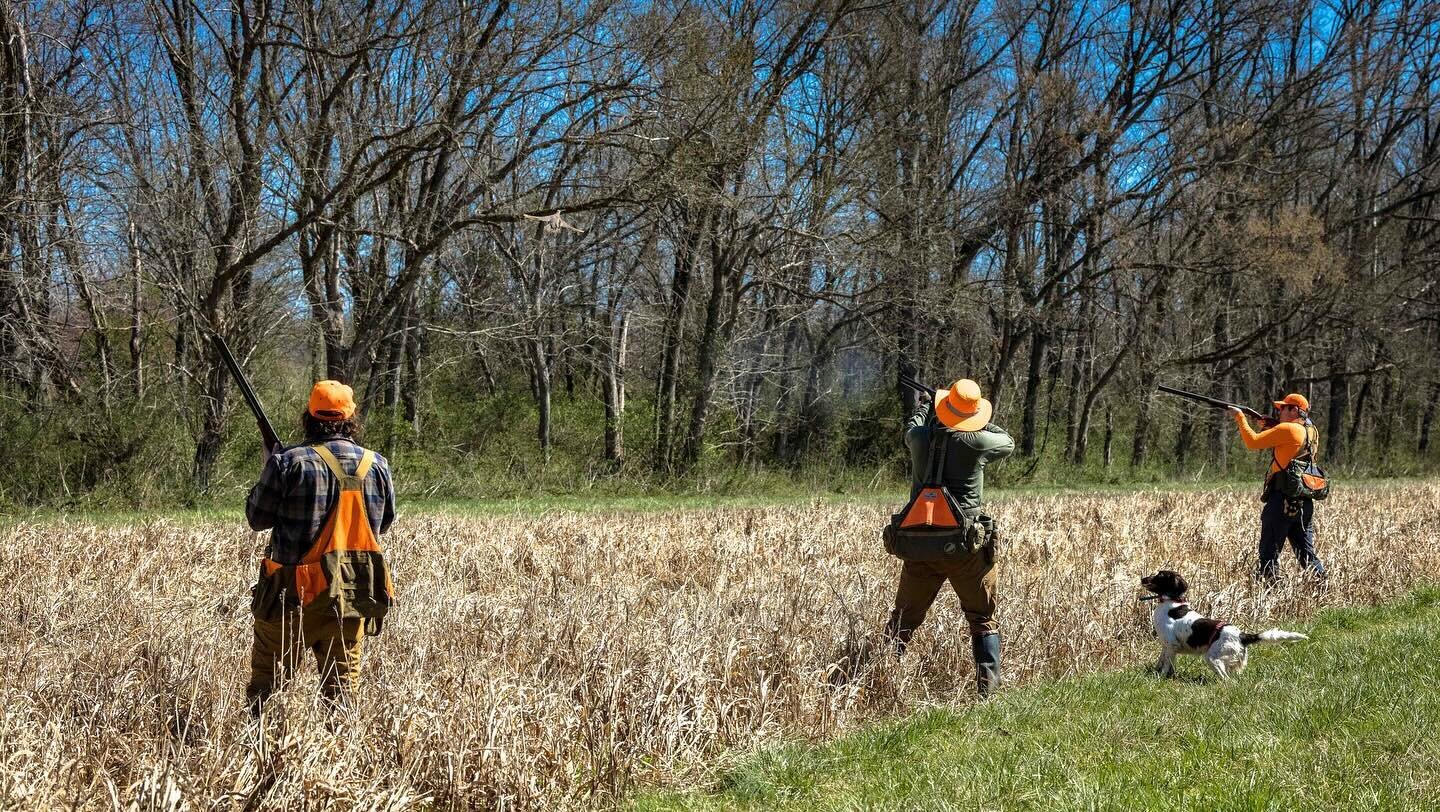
(233, 510)
(1344, 721)
(430, 506)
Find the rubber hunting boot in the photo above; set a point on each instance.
(987, 663)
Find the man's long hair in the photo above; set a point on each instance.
(315, 428)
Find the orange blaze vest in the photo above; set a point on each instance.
(344, 571)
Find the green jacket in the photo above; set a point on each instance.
(967, 454)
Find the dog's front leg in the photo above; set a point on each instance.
(1166, 666)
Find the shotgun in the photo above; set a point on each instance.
(1215, 402)
(267, 431)
(909, 382)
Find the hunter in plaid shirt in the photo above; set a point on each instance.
(296, 491)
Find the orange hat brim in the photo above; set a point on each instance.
(958, 421)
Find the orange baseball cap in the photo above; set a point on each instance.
(1295, 399)
(332, 400)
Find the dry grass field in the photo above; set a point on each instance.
(564, 659)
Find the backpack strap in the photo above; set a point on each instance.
(937, 454)
(348, 482)
(1306, 451)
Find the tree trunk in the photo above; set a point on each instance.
(782, 448)
(1219, 423)
(717, 320)
(485, 374)
(1079, 379)
(212, 416)
(320, 272)
(137, 338)
(1385, 430)
(1039, 340)
(1082, 429)
(667, 380)
(1010, 333)
(1360, 402)
(1140, 442)
(1427, 417)
(1339, 402)
(816, 410)
(1109, 438)
(395, 369)
(414, 363)
(540, 386)
(1183, 440)
(614, 390)
(69, 244)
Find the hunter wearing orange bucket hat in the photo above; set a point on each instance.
(961, 408)
(948, 455)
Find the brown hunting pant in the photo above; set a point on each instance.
(281, 643)
(973, 579)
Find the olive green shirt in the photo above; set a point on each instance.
(967, 454)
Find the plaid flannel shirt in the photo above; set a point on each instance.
(296, 492)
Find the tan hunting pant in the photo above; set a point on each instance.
(280, 644)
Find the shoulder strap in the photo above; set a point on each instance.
(1307, 448)
(937, 454)
(367, 460)
(1311, 450)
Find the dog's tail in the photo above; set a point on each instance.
(1271, 636)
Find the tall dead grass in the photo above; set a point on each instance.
(559, 659)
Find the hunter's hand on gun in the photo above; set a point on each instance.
(1266, 421)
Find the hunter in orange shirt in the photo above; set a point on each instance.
(1283, 517)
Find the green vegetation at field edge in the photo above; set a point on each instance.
(1340, 722)
(541, 503)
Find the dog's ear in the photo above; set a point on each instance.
(1168, 583)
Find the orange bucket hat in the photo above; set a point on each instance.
(332, 400)
(961, 408)
(1295, 399)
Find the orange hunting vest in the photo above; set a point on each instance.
(344, 570)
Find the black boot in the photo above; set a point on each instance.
(987, 663)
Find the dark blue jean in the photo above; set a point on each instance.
(1292, 519)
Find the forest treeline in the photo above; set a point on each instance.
(642, 240)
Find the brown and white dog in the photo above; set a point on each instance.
(1183, 630)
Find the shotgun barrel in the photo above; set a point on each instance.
(267, 431)
(910, 383)
(1209, 401)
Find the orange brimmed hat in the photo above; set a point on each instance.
(1295, 399)
(961, 408)
(332, 400)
